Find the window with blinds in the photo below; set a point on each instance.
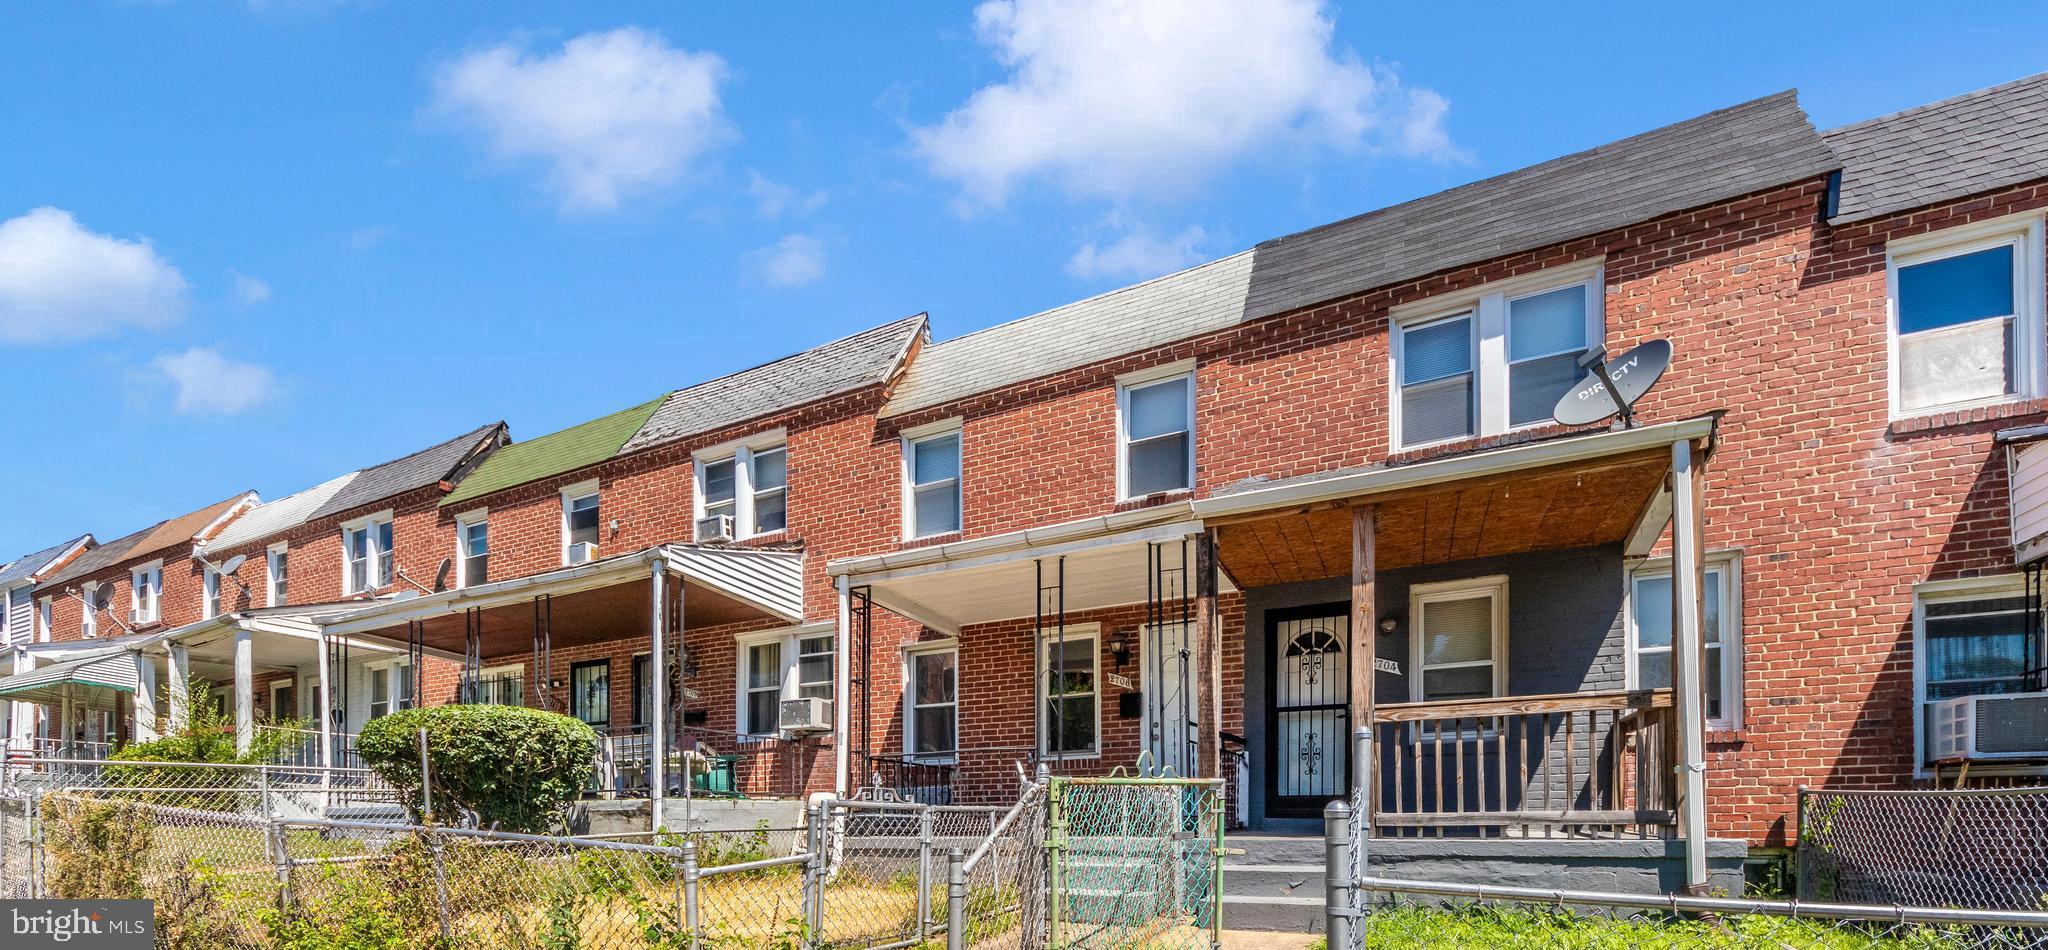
(1459, 637)
(1494, 359)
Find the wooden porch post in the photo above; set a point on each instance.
(179, 669)
(1687, 654)
(1364, 636)
(326, 703)
(1208, 659)
(145, 697)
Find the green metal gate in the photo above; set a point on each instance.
(1135, 862)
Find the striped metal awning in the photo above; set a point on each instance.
(114, 669)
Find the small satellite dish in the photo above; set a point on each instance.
(233, 564)
(441, 576)
(1614, 385)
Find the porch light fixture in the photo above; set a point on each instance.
(1120, 649)
(1390, 622)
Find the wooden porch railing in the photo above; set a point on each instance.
(1576, 764)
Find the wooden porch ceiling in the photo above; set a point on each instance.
(1564, 506)
(616, 612)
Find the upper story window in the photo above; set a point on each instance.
(210, 603)
(89, 613)
(1721, 630)
(1966, 322)
(277, 574)
(1493, 359)
(43, 623)
(145, 593)
(472, 549)
(931, 477)
(580, 531)
(747, 483)
(366, 554)
(1155, 434)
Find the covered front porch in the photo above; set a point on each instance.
(621, 644)
(1489, 594)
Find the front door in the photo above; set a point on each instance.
(1308, 716)
(1169, 680)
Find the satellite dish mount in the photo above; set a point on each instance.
(1613, 387)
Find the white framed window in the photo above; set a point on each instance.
(277, 574)
(1649, 633)
(1155, 432)
(284, 700)
(472, 548)
(1964, 316)
(931, 480)
(580, 523)
(1458, 639)
(390, 687)
(748, 482)
(931, 702)
(1970, 638)
(95, 600)
(1494, 358)
(43, 623)
(366, 554)
(781, 664)
(1069, 699)
(209, 602)
(145, 592)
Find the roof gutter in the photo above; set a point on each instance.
(1014, 540)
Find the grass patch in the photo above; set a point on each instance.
(1548, 928)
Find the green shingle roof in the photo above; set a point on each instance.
(554, 453)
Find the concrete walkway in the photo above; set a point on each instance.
(1264, 940)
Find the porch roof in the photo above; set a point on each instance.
(587, 603)
(114, 669)
(1565, 492)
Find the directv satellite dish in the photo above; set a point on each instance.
(1614, 385)
(441, 576)
(233, 564)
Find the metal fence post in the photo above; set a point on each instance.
(281, 855)
(690, 919)
(924, 873)
(956, 899)
(814, 871)
(440, 882)
(426, 783)
(1337, 882)
(263, 791)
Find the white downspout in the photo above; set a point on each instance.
(842, 692)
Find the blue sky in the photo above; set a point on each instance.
(256, 244)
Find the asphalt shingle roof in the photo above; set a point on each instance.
(1973, 143)
(1174, 307)
(272, 517)
(1724, 154)
(552, 454)
(174, 532)
(25, 567)
(863, 359)
(424, 467)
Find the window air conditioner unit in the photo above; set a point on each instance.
(2007, 726)
(809, 714)
(714, 528)
(582, 552)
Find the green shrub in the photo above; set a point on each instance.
(96, 850)
(514, 768)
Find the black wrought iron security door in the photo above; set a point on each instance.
(1307, 761)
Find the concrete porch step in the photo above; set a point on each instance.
(1301, 915)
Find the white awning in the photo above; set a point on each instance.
(111, 670)
(2027, 468)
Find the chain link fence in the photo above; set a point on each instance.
(1135, 862)
(1979, 848)
(1430, 914)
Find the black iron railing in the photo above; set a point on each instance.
(927, 780)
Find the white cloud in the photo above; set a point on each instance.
(794, 261)
(1139, 253)
(208, 383)
(1147, 98)
(60, 281)
(613, 114)
(248, 291)
(772, 199)
(363, 239)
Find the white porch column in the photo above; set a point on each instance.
(64, 733)
(842, 695)
(657, 719)
(178, 667)
(245, 690)
(326, 711)
(145, 697)
(1687, 654)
